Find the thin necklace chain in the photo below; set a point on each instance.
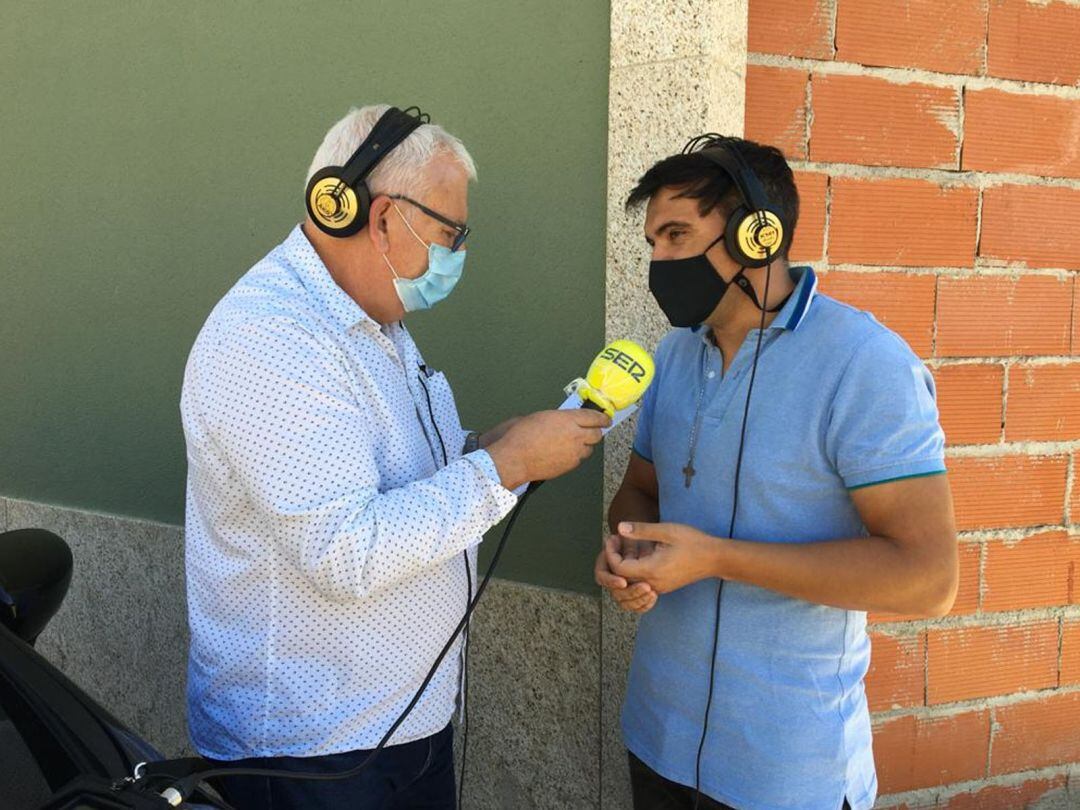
(688, 471)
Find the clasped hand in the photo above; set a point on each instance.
(645, 560)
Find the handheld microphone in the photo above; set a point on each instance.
(614, 383)
(616, 380)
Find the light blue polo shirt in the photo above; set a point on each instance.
(839, 402)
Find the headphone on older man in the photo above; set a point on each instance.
(338, 199)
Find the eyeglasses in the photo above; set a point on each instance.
(460, 229)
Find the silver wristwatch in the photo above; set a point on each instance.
(472, 442)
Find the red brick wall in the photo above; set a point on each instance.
(937, 151)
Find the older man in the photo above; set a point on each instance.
(335, 502)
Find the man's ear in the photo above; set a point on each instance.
(378, 224)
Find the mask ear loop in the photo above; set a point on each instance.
(410, 227)
(414, 233)
(392, 270)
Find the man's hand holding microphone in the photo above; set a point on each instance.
(545, 445)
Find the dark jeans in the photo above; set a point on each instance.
(419, 774)
(653, 792)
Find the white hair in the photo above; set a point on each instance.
(403, 169)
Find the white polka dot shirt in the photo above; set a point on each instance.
(330, 514)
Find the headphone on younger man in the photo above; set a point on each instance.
(338, 198)
(755, 232)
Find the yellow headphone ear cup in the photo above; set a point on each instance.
(760, 234)
(332, 203)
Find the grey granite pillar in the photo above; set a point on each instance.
(677, 69)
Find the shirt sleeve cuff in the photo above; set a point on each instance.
(485, 465)
(894, 472)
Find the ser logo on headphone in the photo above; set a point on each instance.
(338, 199)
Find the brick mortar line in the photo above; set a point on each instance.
(990, 619)
(945, 710)
(961, 118)
(980, 269)
(1061, 644)
(1014, 272)
(1011, 536)
(1070, 482)
(1013, 449)
(986, 449)
(833, 6)
(1023, 362)
(954, 789)
(993, 730)
(901, 76)
(1044, 3)
(828, 221)
(979, 222)
(934, 322)
(1072, 319)
(948, 178)
(1006, 372)
(808, 117)
(980, 592)
(925, 634)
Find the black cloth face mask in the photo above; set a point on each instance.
(688, 290)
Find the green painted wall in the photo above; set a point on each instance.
(154, 151)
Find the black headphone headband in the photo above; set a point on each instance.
(721, 151)
(392, 128)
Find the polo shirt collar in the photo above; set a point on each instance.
(798, 304)
(795, 308)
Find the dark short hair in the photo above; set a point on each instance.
(703, 180)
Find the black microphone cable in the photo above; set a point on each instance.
(731, 531)
(465, 697)
(465, 633)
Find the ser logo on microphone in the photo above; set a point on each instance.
(625, 362)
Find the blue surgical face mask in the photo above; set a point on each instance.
(437, 282)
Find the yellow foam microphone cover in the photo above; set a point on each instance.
(618, 376)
